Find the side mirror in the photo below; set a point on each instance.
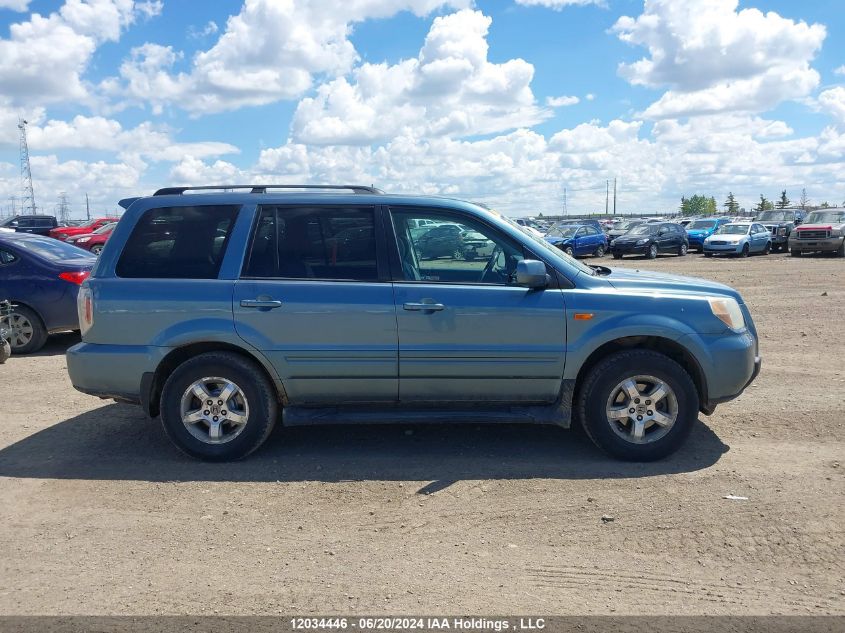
(531, 274)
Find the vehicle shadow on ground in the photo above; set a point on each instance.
(58, 344)
(117, 442)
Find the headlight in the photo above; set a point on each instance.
(83, 239)
(727, 311)
(641, 242)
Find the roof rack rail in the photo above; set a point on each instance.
(176, 191)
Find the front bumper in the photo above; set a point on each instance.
(812, 246)
(629, 249)
(729, 249)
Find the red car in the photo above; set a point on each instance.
(64, 232)
(95, 241)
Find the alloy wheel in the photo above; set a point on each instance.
(214, 410)
(641, 409)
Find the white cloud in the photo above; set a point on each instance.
(833, 101)
(449, 89)
(270, 51)
(840, 70)
(15, 5)
(559, 102)
(558, 5)
(714, 58)
(44, 58)
(590, 96)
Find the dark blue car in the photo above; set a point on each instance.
(41, 277)
(578, 240)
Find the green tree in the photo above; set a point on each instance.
(764, 204)
(731, 204)
(825, 205)
(698, 205)
(783, 203)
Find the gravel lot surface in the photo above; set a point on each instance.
(99, 515)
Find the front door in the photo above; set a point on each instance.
(466, 333)
(312, 299)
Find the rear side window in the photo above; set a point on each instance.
(314, 243)
(178, 243)
(6, 257)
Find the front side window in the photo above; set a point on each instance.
(178, 243)
(314, 243)
(464, 251)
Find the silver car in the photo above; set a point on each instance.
(739, 238)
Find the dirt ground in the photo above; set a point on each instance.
(99, 515)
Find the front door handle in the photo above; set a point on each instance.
(260, 303)
(426, 307)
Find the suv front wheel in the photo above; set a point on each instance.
(638, 405)
(218, 406)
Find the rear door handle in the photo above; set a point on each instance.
(260, 303)
(426, 307)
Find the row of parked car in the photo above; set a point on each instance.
(90, 236)
(771, 231)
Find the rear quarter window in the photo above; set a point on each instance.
(178, 243)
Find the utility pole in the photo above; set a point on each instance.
(564, 201)
(606, 195)
(87, 208)
(28, 201)
(614, 196)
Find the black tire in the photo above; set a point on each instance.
(840, 252)
(599, 251)
(258, 391)
(745, 251)
(768, 248)
(682, 249)
(708, 254)
(602, 379)
(795, 253)
(568, 250)
(97, 249)
(617, 255)
(27, 343)
(652, 252)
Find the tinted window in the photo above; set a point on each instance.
(314, 243)
(468, 252)
(178, 243)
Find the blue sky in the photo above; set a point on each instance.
(507, 102)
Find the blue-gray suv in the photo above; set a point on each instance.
(226, 310)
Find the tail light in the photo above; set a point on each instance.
(85, 309)
(75, 277)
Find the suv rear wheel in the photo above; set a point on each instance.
(218, 406)
(638, 405)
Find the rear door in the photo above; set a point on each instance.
(315, 297)
(466, 333)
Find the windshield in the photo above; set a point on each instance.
(627, 226)
(733, 229)
(562, 231)
(819, 217)
(775, 216)
(643, 229)
(106, 228)
(702, 224)
(55, 251)
(543, 247)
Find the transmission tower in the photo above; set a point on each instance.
(28, 201)
(64, 213)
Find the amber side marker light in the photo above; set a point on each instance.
(583, 316)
